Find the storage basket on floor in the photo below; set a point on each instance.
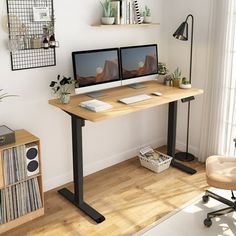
(155, 161)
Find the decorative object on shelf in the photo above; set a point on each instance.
(62, 88)
(147, 15)
(7, 135)
(182, 34)
(41, 14)
(176, 76)
(26, 21)
(185, 84)
(108, 13)
(137, 12)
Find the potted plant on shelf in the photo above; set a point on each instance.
(108, 13)
(147, 15)
(176, 76)
(185, 84)
(62, 88)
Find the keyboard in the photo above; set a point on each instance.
(134, 99)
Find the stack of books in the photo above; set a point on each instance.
(125, 12)
(19, 199)
(96, 105)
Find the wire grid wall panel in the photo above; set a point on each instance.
(22, 27)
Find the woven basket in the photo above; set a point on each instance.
(157, 165)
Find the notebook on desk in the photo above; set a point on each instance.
(96, 105)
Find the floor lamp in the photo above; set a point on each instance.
(182, 34)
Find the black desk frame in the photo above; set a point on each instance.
(76, 198)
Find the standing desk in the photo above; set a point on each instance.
(170, 95)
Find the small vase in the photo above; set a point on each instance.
(108, 20)
(147, 19)
(175, 83)
(64, 98)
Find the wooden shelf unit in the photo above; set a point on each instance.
(22, 138)
(126, 25)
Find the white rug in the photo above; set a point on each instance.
(188, 221)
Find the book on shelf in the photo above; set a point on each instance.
(96, 105)
(125, 11)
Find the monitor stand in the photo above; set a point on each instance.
(96, 94)
(137, 86)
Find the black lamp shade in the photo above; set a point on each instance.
(182, 32)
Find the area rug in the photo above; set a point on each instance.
(188, 220)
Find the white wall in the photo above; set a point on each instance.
(178, 56)
(105, 143)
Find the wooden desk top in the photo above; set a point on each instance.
(169, 94)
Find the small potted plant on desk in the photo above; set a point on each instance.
(108, 13)
(162, 72)
(62, 88)
(185, 84)
(176, 76)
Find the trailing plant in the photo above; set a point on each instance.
(107, 9)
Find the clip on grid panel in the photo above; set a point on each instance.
(22, 28)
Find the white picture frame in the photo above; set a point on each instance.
(41, 14)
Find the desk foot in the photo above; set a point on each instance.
(88, 210)
(182, 167)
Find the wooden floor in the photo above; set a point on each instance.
(128, 195)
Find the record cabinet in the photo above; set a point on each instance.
(21, 191)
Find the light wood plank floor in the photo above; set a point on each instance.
(128, 195)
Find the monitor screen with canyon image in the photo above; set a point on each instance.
(138, 64)
(96, 69)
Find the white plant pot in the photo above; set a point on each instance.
(147, 19)
(108, 20)
(185, 86)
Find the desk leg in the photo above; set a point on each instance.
(77, 197)
(171, 141)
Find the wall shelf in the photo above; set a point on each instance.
(126, 25)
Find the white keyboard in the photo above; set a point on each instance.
(134, 99)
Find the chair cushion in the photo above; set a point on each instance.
(221, 172)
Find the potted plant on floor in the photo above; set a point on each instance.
(62, 88)
(108, 13)
(176, 76)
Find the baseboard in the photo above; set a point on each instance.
(99, 165)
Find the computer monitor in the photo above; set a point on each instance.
(95, 70)
(138, 64)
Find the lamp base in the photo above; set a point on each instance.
(184, 156)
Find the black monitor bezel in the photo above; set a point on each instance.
(137, 46)
(92, 51)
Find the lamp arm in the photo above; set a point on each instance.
(191, 47)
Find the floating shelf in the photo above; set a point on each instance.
(126, 25)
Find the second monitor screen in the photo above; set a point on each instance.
(139, 61)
